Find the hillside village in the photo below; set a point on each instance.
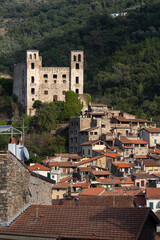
(112, 171)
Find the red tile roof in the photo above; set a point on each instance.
(108, 181)
(153, 193)
(88, 129)
(83, 222)
(88, 160)
(156, 151)
(85, 169)
(140, 156)
(92, 191)
(152, 130)
(81, 185)
(112, 155)
(53, 164)
(91, 142)
(66, 164)
(38, 167)
(19, 141)
(61, 185)
(122, 165)
(150, 163)
(97, 113)
(65, 179)
(101, 173)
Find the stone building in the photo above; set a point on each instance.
(20, 188)
(34, 82)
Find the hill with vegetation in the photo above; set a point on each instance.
(122, 54)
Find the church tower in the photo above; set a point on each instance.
(77, 71)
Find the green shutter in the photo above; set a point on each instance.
(48, 174)
(151, 205)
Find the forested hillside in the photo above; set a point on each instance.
(122, 54)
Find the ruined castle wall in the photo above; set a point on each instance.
(54, 83)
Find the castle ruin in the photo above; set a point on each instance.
(34, 82)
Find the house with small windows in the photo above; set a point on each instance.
(34, 82)
(153, 198)
(40, 169)
(90, 148)
(150, 135)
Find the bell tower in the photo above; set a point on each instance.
(77, 71)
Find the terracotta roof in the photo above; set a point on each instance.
(108, 181)
(113, 193)
(97, 113)
(66, 155)
(122, 165)
(81, 185)
(98, 105)
(112, 155)
(140, 156)
(61, 185)
(88, 160)
(88, 129)
(84, 222)
(38, 167)
(53, 164)
(134, 120)
(121, 119)
(125, 180)
(153, 193)
(152, 130)
(92, 191)
(124, 140)
(66, 164)
(74, 156)
(143, 175)
(91, 142)
(120, 201)
(156, 150)
(65, 179)
(140, 200)
(85, 169)
(138, 141)
(101, 173)
(150, 163)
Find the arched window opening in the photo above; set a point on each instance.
(79, 58)
(54, 98)
(77, 90)
(77, 65)
(32, 65)
(74, 58)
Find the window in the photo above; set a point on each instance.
(48, 175)
(46, 92)
(142, 183)
(32, 99)
(64, 76)
(35, 55)
(45, 75)
(30, 56)
(64, 81)
(32, 65)
(57, 196)
(79, 57)
(32, 91)
(77, 65)
(32, 79)
(137, 184)
(91, 133)
(151, 205)
(64, 92)
(54, 75)
(77, 91)
(83, 151)
(46, 81)
(155, 141)
(88, 151)
(55, 81)
(74, 58)
(71, 140)
(103, 126)
(95, 133)
(77, 80)
(57, 189)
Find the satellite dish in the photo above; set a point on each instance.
(26, 153)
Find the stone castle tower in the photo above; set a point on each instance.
(33, 82)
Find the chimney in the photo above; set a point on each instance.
(12, 145)
(19, 149)
(76, 201)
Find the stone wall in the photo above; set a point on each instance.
(19, 188)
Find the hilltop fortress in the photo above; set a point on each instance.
(48, 84)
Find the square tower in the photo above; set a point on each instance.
(77, 71)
